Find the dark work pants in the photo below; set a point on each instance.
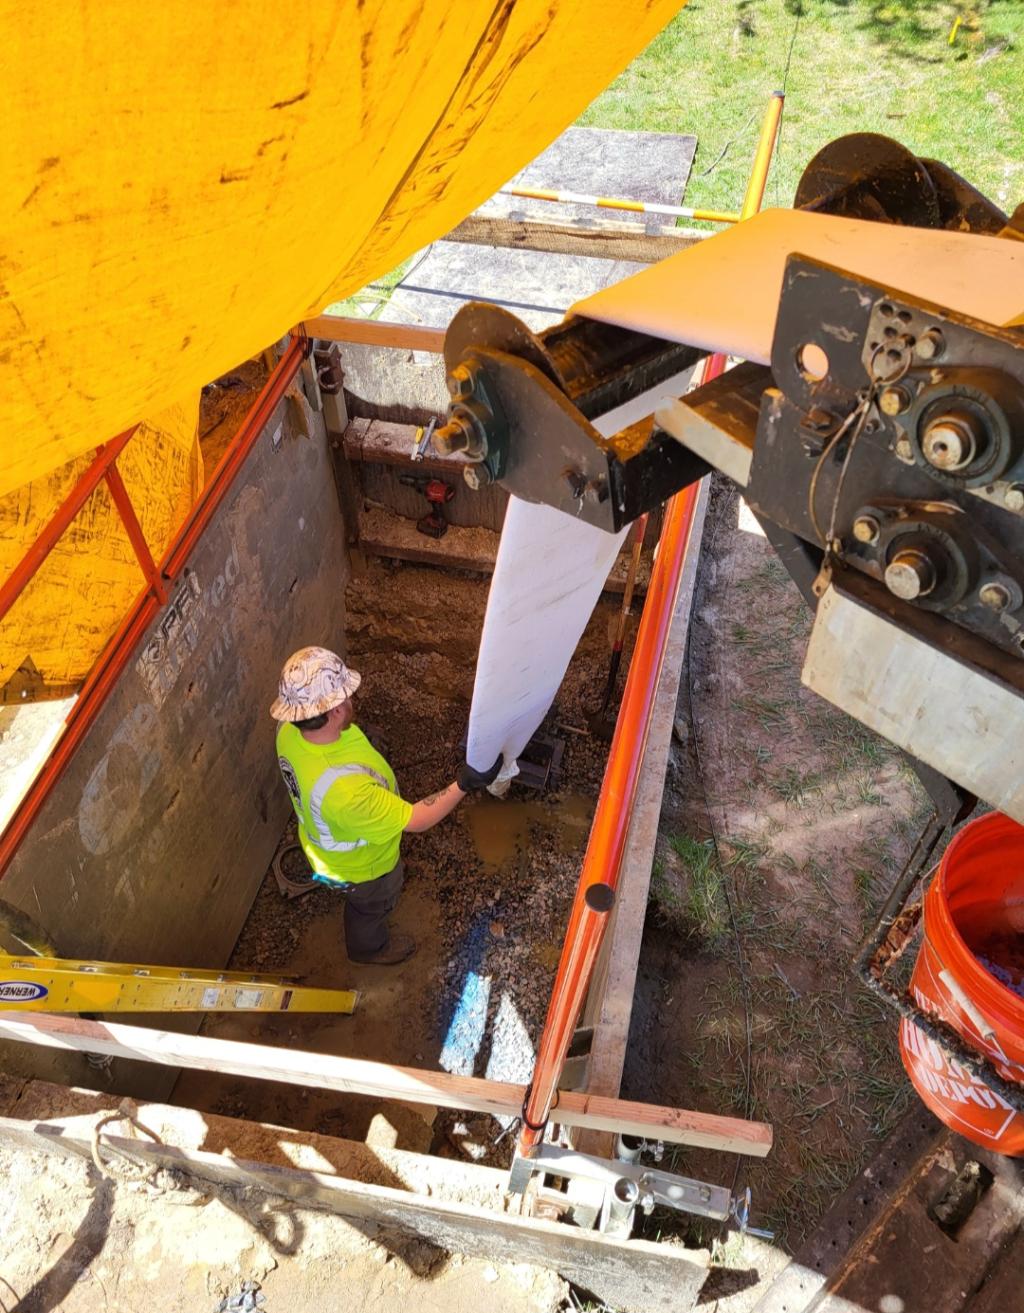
(367, 908)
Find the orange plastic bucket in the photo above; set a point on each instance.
(974, 908)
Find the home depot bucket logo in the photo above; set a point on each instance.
(969, 1103)
(21, 991)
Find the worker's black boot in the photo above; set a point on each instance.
(397, 949)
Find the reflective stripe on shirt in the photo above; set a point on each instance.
(323, 837)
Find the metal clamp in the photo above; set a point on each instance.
(631, 1185)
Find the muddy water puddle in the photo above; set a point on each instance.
(500, 829)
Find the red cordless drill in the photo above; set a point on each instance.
(437, 492)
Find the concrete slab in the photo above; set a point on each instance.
(537, 286)
(639, 166)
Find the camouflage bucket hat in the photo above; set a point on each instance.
(313, 681)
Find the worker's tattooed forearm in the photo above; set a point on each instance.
(431, 798)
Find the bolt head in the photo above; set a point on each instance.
(1013, 499)
(995, 596)
(575, 482)
(929, 345)
(904, 450)
(451, 437)
(866, 529)
(893, 401)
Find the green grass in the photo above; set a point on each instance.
(704, 910)
(856, 66)
(770, 713)
(796, 787)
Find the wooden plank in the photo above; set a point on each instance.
(609, 1004)
(625, 1274)
(605, 240)
(375, 332)
(383, 533)
(75, 1111)
(379, 1079)
(386, 443)
(382, 456)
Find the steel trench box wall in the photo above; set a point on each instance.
(152, 845)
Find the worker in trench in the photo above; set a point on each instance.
(351, 815)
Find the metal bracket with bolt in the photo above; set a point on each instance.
(632, 1185)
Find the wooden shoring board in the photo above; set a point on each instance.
(626, 1274)
(609, 1003)
(386, 533)
(379, 1079)
(607, 240)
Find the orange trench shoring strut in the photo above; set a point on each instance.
(595, 892)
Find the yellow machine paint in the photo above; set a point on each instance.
(51, 984)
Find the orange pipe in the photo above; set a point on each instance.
(614, 813)
(600, 874)
(123, 502)
(26, 569)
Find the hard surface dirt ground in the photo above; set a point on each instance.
(84, 1244)
(783, 825)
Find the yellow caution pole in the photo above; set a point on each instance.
(53, 984)
(763, 156)
(618, 203)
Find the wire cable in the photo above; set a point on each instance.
(785, 86)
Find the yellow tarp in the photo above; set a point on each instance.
(61, 622)
(182, 182)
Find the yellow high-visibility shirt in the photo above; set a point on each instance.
(351, 815)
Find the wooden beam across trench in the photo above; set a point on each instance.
(641, 244)
(379, 1079)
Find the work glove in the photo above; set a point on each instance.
(469, 780)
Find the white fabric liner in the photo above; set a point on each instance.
(723, 294)
(547, 579)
